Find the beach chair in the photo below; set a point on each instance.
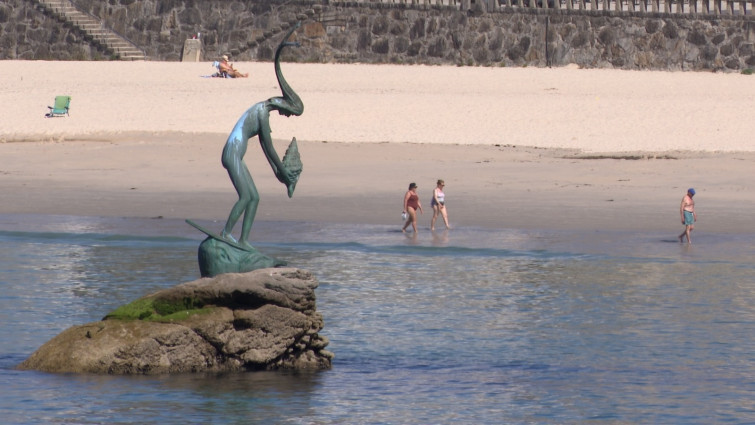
(62, 104)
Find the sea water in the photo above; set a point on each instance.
(470, 326)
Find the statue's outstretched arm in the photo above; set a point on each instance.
(266, 142)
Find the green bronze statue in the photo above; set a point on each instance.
(217, 250)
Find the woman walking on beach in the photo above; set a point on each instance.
(411, 205)
(689, 217)
(439, 205)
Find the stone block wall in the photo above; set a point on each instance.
(237, 28)
(27, 33)
(515, 37)
(419, 34)
(660, 42)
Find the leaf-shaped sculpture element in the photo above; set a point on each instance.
(292, 162)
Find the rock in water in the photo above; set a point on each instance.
(261, 320)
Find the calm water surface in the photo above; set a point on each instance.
(472, 326)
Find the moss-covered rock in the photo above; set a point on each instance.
(157, 310)
(261, 320)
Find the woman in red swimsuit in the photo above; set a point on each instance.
(411, 205)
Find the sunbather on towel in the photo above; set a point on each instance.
(227, 69)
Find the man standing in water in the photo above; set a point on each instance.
(256, 122)
(689, 217)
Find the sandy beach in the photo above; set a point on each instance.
(518, 148)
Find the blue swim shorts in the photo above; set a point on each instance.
(689, 218)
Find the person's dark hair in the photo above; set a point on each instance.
(412, 185)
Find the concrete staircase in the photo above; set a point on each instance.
(90, 25)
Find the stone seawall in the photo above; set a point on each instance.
(27, 33)
(417, 34)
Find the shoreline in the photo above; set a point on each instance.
(487, 186)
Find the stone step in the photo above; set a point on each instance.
(89, 26)
(80, 17)
(125, 49)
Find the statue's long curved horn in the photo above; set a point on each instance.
(294, 103)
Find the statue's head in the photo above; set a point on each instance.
(286, 107)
